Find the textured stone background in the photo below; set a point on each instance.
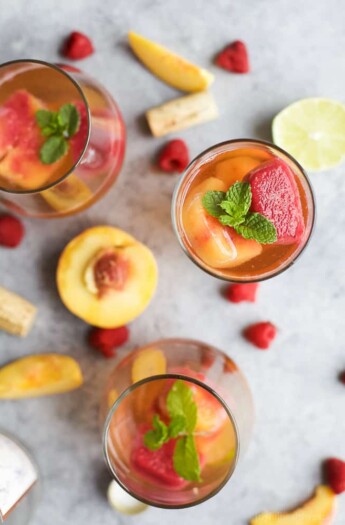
(296, 50)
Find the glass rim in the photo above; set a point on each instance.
(198, 262)
(197, 382)
(81, 93)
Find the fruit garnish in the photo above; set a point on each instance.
(260, 334)
(316, 511)
(183, 413)
(11, 231)
(39, 375)
(148, 362)
(169, 67)
(275, 195)
(174, 156)
(58, 126)
(68, 194)
(234, 57)
(20, 142)
(106, 277)
(106, 340)
(335, 474)
(157, 465)
(231, 208)
(230, 170)
(312, 130)
(238, 293)
(77, 46)
(16, 313)
(181, 113)
(216, 245)
(123, 502)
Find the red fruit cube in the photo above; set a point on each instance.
(11, 231)
(335, 474)
(238, 293)
(77, 46)
(157, 465)
(275, 195)
(174, 157)
(234, 58)
(260, 334)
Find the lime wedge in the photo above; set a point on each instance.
(312, 130)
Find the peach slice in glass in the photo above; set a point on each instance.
(209, 239)
(68, 194)
(39, 375)
(149, 362)
(235, 169)
(106, 277)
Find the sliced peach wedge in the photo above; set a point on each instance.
(69, 194)
(235, 169)
(106, 277)
(319, 510)
(169, 67)
(39, 375)
(218, 246)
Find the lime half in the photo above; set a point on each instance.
(312, 130)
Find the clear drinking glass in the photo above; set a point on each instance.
(137, 390)
(95, 154)
(217, 249)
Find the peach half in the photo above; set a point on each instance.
(106, 277)
(319, 510)
(218, 246)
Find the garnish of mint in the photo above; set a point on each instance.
(231, 208)
(182, 410)
(59, 127)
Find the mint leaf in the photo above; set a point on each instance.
(155, 438)
(69, 119)
(177, 426)
(186, 459)
(44, 118)
(228, 220)
(211, 202)
(257, 227)
(52, 129)
(53, 149)
(180, 402)
(238, 199)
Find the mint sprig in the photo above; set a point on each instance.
(59, 127)
(232, 209)
(182, 411)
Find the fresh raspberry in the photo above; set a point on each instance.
(238, 293)
(174, 156)
(335, 474)
(105, 340)
(77, 46)
(260, 334)
(342, 377)
(234, 57)
(11, 231)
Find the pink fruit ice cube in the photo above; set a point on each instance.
(275, 195)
